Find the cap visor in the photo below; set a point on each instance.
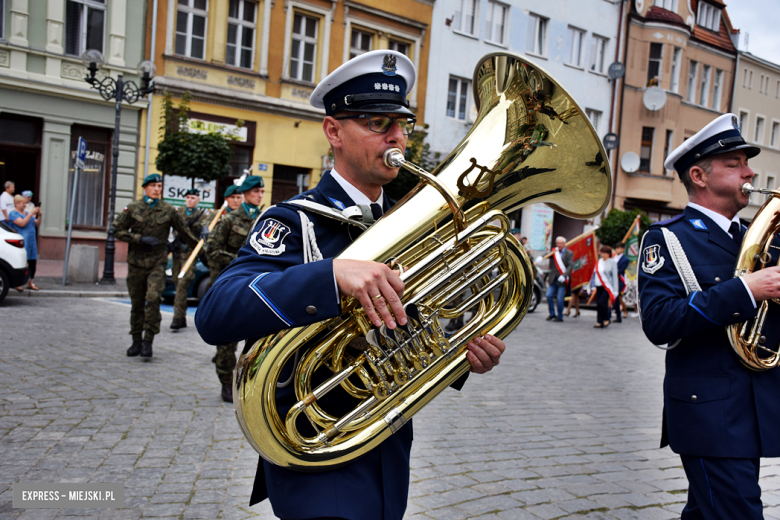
(750, 150)
(381, 108)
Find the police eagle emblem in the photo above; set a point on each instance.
(388, 65)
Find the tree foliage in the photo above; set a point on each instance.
(190, 155)
(419, 152)
(617, 223)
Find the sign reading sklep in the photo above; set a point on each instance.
(67, 495)
(175, 187)
(199, 126)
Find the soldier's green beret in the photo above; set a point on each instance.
(253, 181)
(230, 190)
(152, 177)
(193, 191)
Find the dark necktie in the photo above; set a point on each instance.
(376, 210)
(736, 233)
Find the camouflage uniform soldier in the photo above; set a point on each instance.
(225, 240)
(197, 221)
(145, 224)
(234, 200)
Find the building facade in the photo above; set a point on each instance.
(258, 62)
(680, 59)
(574, 40)
(757, 105)
(45, 106)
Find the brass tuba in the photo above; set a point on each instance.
(747, 338)
(530, 143)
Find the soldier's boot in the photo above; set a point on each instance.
(135, 348)
(227, 392)
(178, 323)
(146, 349)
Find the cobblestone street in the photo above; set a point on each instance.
(567, 426)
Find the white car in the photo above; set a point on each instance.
(13, 260)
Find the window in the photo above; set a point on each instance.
(675, 84)
(598, 48)
(744, 78)
(457, 97)
(766, 87)
(704, 91)
(755, 198)
(709, 16)
(668, 147)
(465, 16)
(654, 66)
(759, 134)
(536, 41)
(669, 5)
(304, 47)
(743, 122)
(360, 43)
(770, 182)
(595, 117)
(647, 149)
(577, 39)
(90, 210)
(750, 79)
(403, 48)
(2, 18)
(495, 21)
(693, 72)
(761, 85)
(774, 141)
(777, 92)
(84, 25)
(191, 29)
(241, 33)
(717, 90)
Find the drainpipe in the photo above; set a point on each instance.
(734, 86)
(151, 94)
(623, 21)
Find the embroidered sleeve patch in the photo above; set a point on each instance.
(652, 260)
(269, 239)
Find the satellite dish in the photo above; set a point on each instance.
(616, 70)
(629, 162)
(654, 98)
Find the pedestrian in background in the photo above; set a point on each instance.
(560, 269)
(197, 221)
(622, 263)
(27, 194)
(227, 238)
(605, 281)
(145, 225)
(7, 200)
(24, 223)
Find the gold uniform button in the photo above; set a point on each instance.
(693, 398)
(717, 279)
(311, 309)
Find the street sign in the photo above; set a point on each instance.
(262, 167)
(82, 153)
(616, 70)
(611, 141)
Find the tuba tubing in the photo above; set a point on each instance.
(530, 143)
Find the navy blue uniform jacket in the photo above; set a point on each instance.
(622, 264)
(259, 294)
(713, 405)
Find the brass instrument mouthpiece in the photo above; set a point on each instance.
(394, 158)
(747, 188)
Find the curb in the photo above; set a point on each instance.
(48, 293)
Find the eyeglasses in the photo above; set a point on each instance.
(380, 124)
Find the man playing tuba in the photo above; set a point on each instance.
(719, 416)
(286, 276)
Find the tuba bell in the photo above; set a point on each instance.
(747, 338)
(530, 143)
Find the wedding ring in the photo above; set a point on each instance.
(375, 298)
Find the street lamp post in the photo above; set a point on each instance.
(119, 90)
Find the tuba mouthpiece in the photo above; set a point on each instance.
(747, 188)
(394, 158)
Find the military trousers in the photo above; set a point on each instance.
(182, 285)
(145, 286)
(226, 362)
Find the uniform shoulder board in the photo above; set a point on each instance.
(665, 223)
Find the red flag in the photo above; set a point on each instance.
(584, 250)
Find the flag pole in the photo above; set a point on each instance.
(631, 229)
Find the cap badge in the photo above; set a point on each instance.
(735, 122)
(388, 65)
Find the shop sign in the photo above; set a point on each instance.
(199, 126)
(175, 187)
